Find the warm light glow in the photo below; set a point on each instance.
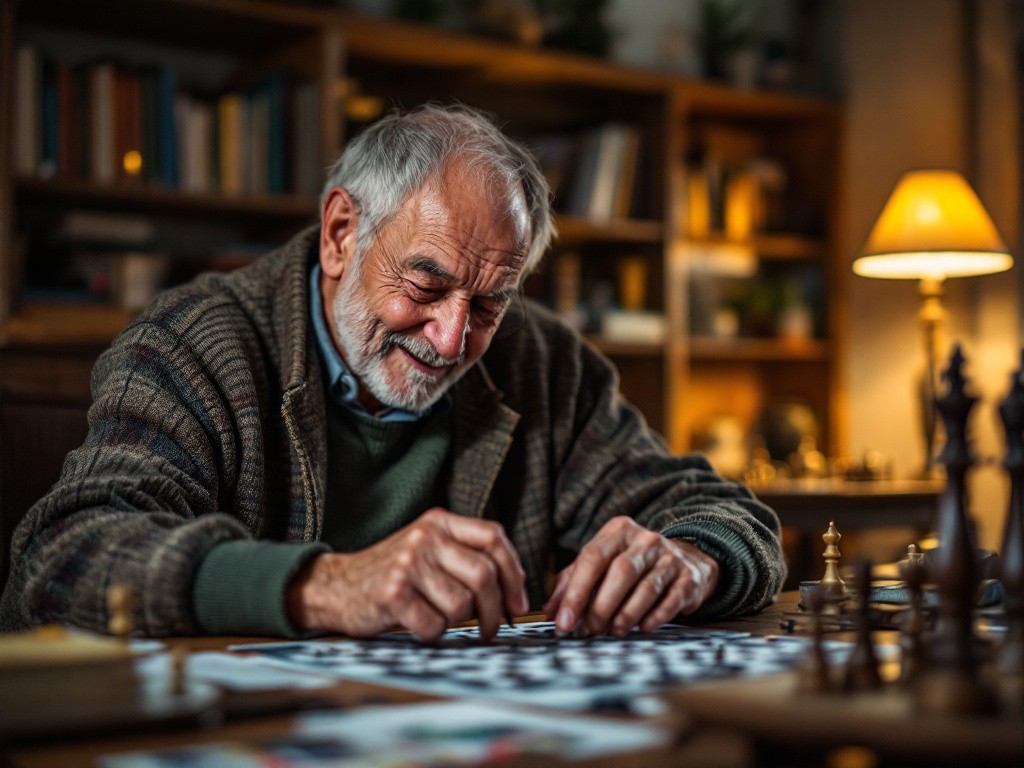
(132, 162)
(933, 226)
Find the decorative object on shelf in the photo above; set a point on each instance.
(576, 25)
(933, 228)
(728, 41)
(515, 20)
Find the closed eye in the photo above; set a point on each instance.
(423, 294)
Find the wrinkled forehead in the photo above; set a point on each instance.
(470, 221)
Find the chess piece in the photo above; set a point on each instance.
(1010, 661)
(814, 673)
(832, 586)
(120, 606)
(861, 672)
(913, 645)
(914, 554)
(952, 684)
(179, 663)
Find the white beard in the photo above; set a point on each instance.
(367, 344)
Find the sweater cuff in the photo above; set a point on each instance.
(736, 566)
(240, 587)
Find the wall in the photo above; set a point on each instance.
(910, 104)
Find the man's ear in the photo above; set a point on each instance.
(338, 218)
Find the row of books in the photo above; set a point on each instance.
(113, 124)
(592, 173)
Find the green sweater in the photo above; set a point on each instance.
(381, 476)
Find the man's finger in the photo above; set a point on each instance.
(624, 577)
(479, 576)
(489, 537)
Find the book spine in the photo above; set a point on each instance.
(26, 148)
(231, 130)
(276, 175)
(166, 129)
(101, 123)
(306, 143)
(49, 137)
(69, 122)
(150, 150)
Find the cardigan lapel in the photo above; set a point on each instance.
(482, 429)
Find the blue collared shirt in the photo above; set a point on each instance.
(341, 383)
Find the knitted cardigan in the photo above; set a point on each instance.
(208, 425)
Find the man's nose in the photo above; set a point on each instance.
(448, 329)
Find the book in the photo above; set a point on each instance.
(603, 179)
(101, 123)
(232, 129)
(257, 143)
(166, 128)
(274, 87)
(306, 143)
(27, 102)
(47, 166)
(128, 129)
(195, 137)
(70, 108)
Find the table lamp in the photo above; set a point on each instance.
(932, 228)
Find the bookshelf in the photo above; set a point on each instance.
(631, 251)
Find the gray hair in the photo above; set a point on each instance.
(396, 155)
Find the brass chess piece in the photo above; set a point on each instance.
(832, 586)
(120, 606)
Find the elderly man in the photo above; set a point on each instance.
(369, 428)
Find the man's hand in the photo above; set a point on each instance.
(628, 576)
(438, 571)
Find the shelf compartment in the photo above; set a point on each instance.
(48, 323)
(148, 198)
(573, 230)
(758, 350)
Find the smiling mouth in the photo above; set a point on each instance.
(423, 365)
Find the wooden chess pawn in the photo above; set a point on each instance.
(120, 607)
(913, 645)
(832, 586)
(178, 683)
(861, 672)
(814, 673)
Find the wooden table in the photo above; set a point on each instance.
(807, 506)
(730, 724)
(249, 716)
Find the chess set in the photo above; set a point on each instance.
(957, 694)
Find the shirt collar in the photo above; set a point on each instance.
(342, 385)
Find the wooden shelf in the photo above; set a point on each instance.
(626, 349)
(50, 324)
(573, 230)
(786, 247)
(155, 199)
(758, 350)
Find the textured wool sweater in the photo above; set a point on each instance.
(208, 425)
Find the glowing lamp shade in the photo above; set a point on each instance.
(933, 227)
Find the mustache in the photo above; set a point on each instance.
(420, 349)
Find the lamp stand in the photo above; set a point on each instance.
(931, 316)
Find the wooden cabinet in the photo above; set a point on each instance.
(634, 265)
